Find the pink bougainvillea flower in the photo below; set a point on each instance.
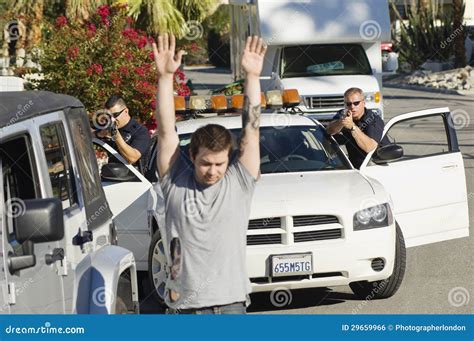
(103, 11)
(72, 53)
(139, 71)
(61, 21)
(97, 68)
(91, 27)
(142, 42)
(124, 70)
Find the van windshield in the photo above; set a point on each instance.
(324, 60)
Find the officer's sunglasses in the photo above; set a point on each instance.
(356, 103)
(117, 113)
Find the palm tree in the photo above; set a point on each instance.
(169, 15)
(80, 10)
(459, 48)
(30, 13)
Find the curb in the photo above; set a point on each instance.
(427, 89)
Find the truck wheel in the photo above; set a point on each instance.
(387, 287)
(157, 268)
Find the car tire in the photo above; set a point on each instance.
(157, 268)
(387, 287)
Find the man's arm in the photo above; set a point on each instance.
(366, 143)
(129, 153)
(252, 63)
(166, 64)
(334, 127)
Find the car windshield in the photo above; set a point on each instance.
(292, 149)
(324, 60)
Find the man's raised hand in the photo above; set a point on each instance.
(252, 58)
(167, 62)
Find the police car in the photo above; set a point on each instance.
(316, 221)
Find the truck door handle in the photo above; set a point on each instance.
(58, 254)
(16, 263)
(452, 166)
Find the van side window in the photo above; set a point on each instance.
(20, 182)
(59, 163)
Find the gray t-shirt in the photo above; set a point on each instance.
(206, 229)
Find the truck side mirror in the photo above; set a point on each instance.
(387, 153)
(117, 172)
(41, 221)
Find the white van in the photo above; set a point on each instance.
(321, 48)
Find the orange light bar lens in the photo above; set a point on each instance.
(238, 102)
(263, 101)
(219, 103)
(291, 97)
(179, 103)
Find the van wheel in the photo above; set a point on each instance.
(157, 268)
(387, 287)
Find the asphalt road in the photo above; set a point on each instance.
(439, 277)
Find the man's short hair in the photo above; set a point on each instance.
(213, 137)
(351, 91)
(113, 100)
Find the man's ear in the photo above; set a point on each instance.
(191, 157)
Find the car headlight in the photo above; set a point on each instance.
(372, 217)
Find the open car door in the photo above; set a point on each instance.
(427, 184)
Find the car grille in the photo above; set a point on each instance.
(262, 239)
(309, 236)
(314, 102)
(265, 223)
(307, 220)
(298, 237)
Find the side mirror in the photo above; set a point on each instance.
(389, 152)
(41, 221)
(117, 172)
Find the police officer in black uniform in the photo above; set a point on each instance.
(127, 136)
(362, 128)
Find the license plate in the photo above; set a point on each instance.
(292, 264)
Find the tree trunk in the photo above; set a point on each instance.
(34, 32)
(459, 48)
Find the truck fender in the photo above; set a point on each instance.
(97, 278)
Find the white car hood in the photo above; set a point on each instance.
(322, 192)
(330, 85)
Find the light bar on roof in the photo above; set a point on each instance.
(237, 102)
(179, 104)
(274, 99)
(291, 98)
(219, 103)
(200, 103)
